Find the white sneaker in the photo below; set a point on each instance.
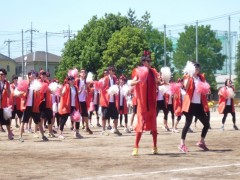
(222, 128)
(104, 133)
(61, 136)
(116, 131)
(126, 130)
(175, 130)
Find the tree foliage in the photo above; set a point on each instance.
(112, 40)
(237, 68)
(86, 49)
(209, 51)
(124, 50)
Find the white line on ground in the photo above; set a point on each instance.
(164, 171)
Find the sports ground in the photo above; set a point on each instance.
(109, 157)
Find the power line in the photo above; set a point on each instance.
(31, 40)
(8, 42)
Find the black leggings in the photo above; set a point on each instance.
(233, 117)
(125, 118)
(64, 118)
(166, 111)
(204, 120)
(91, 113)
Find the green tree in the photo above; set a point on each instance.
(124, 50)
(132, 18)
(86, 49)
(209, 51)
(237, 68)
(155, 40)
(145, 23)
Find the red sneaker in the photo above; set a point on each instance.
(202, 146)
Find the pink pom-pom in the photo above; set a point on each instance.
(23, 85)
(223, 92)
(203, 87)
(44, 88)
(142, 73)
(73, 72)
(75, 116)
(57, 92)
(175, 88)
(91, 107)
(98, 85)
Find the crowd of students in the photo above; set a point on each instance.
(78, 98)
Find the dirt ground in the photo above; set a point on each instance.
(109, 157)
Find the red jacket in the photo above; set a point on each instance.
(36, 101)
(5, 95)
(189, 95)
(104, 96)
(14, 98)
(146, 92)
(65, 101)
(223, 101)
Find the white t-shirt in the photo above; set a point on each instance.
(82, 87)
(111, 99)
(183, 93)
(159, 95)
(95, 96)
(121, 96)
(30, 98)
(73, 94)
(196, 99)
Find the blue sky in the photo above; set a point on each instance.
(58, 16)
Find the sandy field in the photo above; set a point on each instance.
(109, 157)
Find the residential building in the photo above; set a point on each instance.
(8, 64)
(36, 61)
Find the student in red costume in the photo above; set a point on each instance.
(45, 107)
(146, 101)
(83, 90)
(15, 102)
(194, 104)
(30, 105)
(226, 103)
(4, 95)
(108, 102)
(122, 103)
(68, 103)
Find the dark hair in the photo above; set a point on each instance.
(4, 71)
(14, 77)
(111, 68)
(146, 55)
(122, 77)
(227, 81)
(48, 74)
(32, 72)
(42, 72)
(69, 78)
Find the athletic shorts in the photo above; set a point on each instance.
(110, 111)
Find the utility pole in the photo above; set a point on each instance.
(46, 51)
(31, 38)
(165, 51)
(229, 46)
(9, 50)
(68, 32)
(22, 57)
(197, 41)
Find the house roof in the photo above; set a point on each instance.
(3, 57)
(39, 56)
